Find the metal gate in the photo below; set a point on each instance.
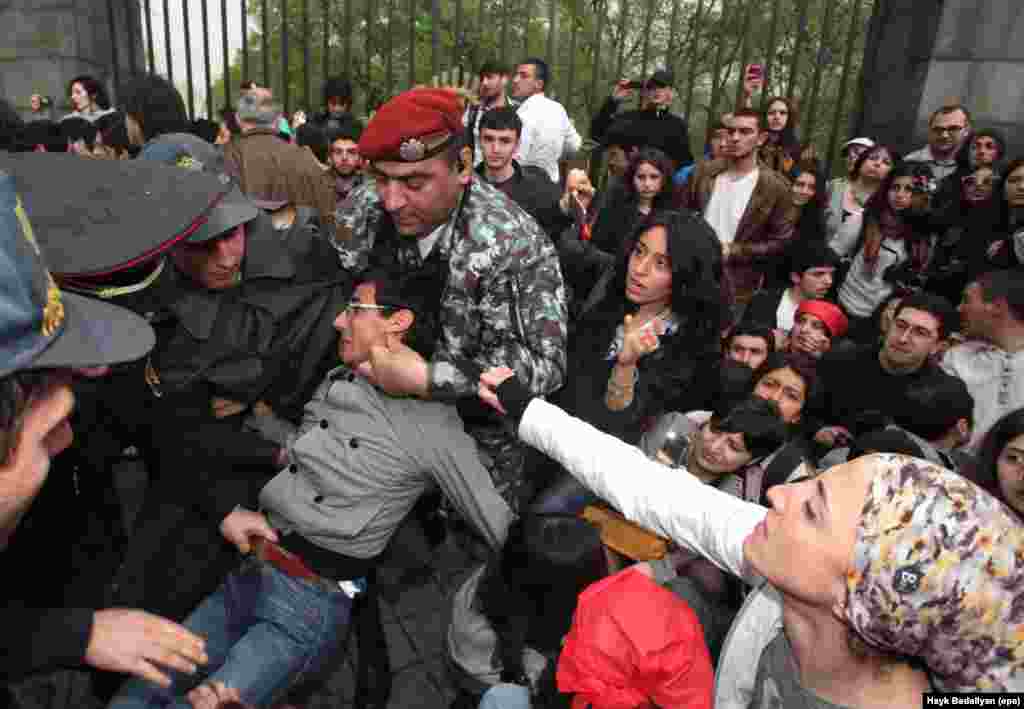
(811, 50)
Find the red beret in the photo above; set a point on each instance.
(413, 126)
(829, 313)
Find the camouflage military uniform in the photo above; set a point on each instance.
(503, 300)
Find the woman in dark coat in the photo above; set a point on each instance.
(647, 337)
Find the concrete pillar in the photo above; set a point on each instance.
(45, 43)
(922, 53)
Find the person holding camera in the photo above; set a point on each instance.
(653, 125)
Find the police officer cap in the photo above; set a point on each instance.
(41, 326)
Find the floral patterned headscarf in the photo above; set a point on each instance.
(939, 574)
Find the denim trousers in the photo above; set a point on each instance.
(264, 631)
(506, 696)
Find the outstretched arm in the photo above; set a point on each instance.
(668, 501)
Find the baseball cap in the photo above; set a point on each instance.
(866, 142)
(42, 326)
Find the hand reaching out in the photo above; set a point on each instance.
(140, 644)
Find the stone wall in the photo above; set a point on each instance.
(921, 54)
(47, 42)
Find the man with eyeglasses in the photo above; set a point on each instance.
(355, 467)
(875, 378)
(48, 336)
(948, 127)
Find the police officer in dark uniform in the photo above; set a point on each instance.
(243, 317)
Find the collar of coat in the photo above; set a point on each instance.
(266, 257)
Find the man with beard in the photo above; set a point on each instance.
(346, 165)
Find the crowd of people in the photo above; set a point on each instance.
(718, 431)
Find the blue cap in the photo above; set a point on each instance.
(41, 326)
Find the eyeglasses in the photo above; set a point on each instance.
(942, 130)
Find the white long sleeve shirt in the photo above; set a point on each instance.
(548, 134)
(668, 501)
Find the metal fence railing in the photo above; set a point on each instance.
(811, 50)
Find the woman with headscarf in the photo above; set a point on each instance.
(876, 581)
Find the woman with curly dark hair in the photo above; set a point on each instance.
(647, 338)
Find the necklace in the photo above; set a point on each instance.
(660, 315)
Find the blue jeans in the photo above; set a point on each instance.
(264, 630)
(505, 696)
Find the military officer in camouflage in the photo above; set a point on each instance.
(503, 298)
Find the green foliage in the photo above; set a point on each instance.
(592, 45)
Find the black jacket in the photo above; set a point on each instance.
(271, 339)
(655, 128)
(763, 306)
(532, 189)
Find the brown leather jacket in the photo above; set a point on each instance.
(766, 228)
(268, 168)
